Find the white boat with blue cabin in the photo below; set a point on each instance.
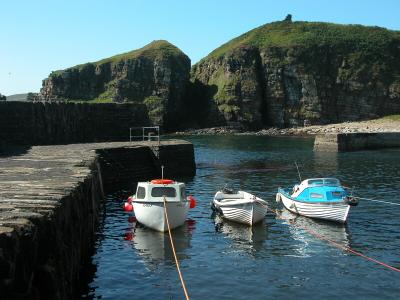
(320, 198)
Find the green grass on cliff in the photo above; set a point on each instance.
(290, 34)
(392, 118)
(158, 48)
(91, 101)
(152, 50)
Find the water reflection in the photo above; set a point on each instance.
(246, 238)
(155, 248)
(307, 231)
(267, 259)
(261, 165)
(325, 163)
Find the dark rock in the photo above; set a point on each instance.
(288, 18)
(284, 73)
(155, 75)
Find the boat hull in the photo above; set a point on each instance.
(151, 214)
(247, 213)
(337, 211)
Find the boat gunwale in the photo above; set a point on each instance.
(241, 202)
(250, 199)
(159, 201)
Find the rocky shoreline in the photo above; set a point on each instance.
(371, 126)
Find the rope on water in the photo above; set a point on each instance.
(374, 200)
(174, 252)
(339, 246)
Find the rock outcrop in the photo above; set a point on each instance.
(155, 75)
(286, 73)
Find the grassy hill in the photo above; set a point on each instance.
(285, 72)
(291, 34)
(18, 97)
(157, 48)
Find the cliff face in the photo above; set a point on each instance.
(155, 75)
(284, 73)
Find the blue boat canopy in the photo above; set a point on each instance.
(318, 190)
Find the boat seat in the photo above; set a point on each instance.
(221, 196)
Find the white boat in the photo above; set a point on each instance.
(321, 198)
(240, 207)
(148, 204)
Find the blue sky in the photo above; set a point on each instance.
(39, 36)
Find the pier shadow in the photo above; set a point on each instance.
(13, 150)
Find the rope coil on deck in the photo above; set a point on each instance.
(174, 252)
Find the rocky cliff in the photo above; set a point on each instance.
(287, 73)
(155, 75)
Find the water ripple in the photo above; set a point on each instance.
(275, 259)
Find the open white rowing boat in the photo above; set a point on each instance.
(240, 207)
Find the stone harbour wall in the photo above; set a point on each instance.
(50, 201)
(26, 123)
(356, 141)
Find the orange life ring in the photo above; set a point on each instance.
(162, 181)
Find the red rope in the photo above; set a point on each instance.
(339, 246)
(174, 252)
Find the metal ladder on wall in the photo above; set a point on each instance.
(150, 134)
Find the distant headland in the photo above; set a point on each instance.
(282, 74)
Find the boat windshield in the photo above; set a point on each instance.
(163, 191)
(183, 192)
(331, 181)
(324, 181)
(141, 193)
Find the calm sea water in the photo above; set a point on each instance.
(276, 258)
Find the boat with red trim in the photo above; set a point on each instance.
(151, 197)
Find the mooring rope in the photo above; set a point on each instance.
(174, 252)
(374, 200)
(339, 246)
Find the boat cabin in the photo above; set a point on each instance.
(319, 190)
(154, 192)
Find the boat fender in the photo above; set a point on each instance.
(132, 219)
(278, 197)
(192, 202)
(129, 236)
(352, 201)
(162, 181)
(128, 207)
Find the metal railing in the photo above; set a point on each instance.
(144, 134)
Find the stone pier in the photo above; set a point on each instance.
(50, 202)
(356, 141)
